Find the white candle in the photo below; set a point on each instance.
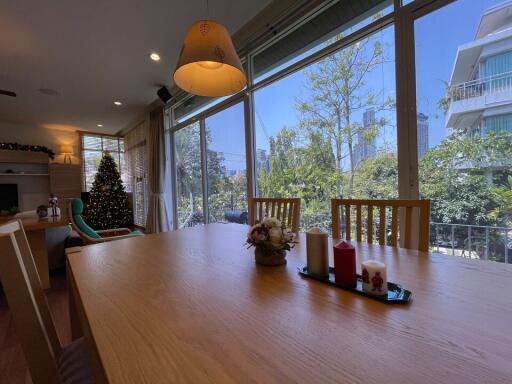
(375, 280)
(317, 251)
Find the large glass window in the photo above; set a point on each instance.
(93, 147)
(226, 165)
(341, 18)
(330, 130)
(464, 89)
(189, 176)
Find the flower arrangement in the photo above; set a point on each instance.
(271, 238)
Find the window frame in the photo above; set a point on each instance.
(402, 17)
(83, 150)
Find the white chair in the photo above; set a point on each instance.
(48, 361)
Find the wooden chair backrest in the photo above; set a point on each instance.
(402, 208)
(285, 210)
(28, 305)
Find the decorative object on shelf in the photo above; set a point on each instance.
(374, 277)
(53, 202)
(67, 151)
(108, 205)
(271, 239)
(345, 264)
(42, 211)
(317, 251)
(31, 148)
(208, 64)
(395, 293)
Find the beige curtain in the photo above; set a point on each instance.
(158, 218)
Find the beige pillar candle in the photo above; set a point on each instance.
(317, 252)
(375, 281)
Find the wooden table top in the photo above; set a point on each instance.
(191, 306)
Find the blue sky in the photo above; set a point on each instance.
(437, 37)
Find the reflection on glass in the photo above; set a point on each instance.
(464, 103)
(340, 19)
(226, 165)
(330, 130)
(188, 174)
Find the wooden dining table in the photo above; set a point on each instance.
(191, 306)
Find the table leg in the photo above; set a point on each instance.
(37, 242)
(76, 327)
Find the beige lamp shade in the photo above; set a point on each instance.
(208, 63)
(66, 149)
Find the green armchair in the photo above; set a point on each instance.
(91, 236)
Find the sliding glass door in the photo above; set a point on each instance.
(189, 188)
(210, 168)
(226, 165)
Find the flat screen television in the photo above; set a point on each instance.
(8, 196)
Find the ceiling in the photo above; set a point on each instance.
(93, 53)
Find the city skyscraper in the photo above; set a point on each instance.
(422, 129)
(364, 148)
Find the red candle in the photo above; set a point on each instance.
(345, 264)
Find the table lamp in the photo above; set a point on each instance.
(67, 151)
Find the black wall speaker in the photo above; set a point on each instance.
(164, 94)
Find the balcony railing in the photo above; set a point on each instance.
(472, 241)
(481, 87)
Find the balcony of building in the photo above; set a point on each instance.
(469, 99)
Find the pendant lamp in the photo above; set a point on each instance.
(208, 63)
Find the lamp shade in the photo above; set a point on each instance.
(66, 149)
(208, 63)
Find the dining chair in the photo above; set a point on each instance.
(48, 361)
(412, 217)
(285, 210)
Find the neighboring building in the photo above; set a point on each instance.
(422, 124)
(364, 148)
(481, 81)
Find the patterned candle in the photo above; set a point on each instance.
(375, 281)
(317, 252)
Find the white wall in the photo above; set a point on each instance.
(35, 190)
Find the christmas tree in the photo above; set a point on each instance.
(108, 206)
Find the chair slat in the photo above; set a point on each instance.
(394, 226)
(382, 225)
(347, 223)
(407, 225)
(359, 225)
(369, 227)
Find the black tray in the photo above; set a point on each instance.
(396, 294)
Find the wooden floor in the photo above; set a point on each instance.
(13, 368)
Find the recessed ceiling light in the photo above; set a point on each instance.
(154, 56)
(118, 103)
(99, 125)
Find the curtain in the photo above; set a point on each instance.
(136, 171)
(158, 217)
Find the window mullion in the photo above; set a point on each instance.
(204, 168)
